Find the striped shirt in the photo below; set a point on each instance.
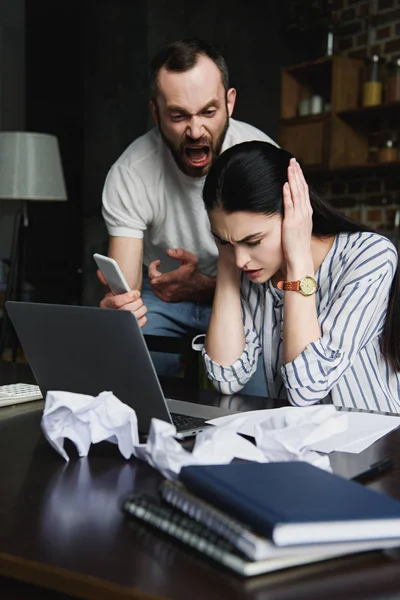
(346, 363)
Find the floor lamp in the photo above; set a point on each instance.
(30, 170)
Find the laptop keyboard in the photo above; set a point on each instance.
(184, 422)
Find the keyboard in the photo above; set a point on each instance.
(16, 393)
(184, 422)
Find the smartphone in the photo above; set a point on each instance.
(112, 274)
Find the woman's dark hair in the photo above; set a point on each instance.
(249, 177)
(183, 55)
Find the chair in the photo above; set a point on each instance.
(183, 347)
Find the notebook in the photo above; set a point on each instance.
(244, 539)
(295, 503)
(176, 524)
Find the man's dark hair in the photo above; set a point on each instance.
(181, 56)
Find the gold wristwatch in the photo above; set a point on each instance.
(306, 286)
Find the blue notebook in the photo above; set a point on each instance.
(295, 502)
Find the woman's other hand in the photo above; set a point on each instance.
(297, 222)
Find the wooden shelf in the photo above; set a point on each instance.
(373, 116)
(342, 136)
(383, 167)
(305, 119)
(324, 138)
(324, 62)
(314, 75)
(315, 169)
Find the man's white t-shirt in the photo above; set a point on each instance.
(147, 196)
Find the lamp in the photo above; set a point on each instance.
(30, 169)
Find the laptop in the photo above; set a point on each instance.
(89, 350)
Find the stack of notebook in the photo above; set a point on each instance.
(259, 517)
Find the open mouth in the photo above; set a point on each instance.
(253, 273)
(198, 156)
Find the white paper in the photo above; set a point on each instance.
(282, 434)
(212, 446)
(86, 419)
(287, 416)
(330, 429)
(362, 431)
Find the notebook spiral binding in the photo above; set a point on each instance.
(252, 545)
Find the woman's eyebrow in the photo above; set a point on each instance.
(217, 236)
(245, 239)
(249, 237)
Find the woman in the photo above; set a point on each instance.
(314, 292)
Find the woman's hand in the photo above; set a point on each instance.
(226, 254)
(300, 323)
(227, 270)
(297, 223)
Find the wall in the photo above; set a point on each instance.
(115, 79)
(12, 94)
(120, 39)
(368, 27)
(248, 37)
(54, 105)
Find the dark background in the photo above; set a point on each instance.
(86, 81)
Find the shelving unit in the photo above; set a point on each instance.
(304, 120)
(337, 140)
(375, 123)
(351, 171)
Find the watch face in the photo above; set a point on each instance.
(308, 286)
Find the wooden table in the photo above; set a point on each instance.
(62, 533)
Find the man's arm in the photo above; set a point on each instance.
(128, 252)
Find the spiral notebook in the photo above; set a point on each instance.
(175, 523)
(294, 503)
(245, 540)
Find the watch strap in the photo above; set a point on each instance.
(288, 286)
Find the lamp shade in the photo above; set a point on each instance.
(30, 167)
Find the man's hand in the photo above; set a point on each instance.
(129, 301)
(184, 283)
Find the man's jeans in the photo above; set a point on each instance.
(177, 319)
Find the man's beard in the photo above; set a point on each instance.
(214, 146)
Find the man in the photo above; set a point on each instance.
(152, 204)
